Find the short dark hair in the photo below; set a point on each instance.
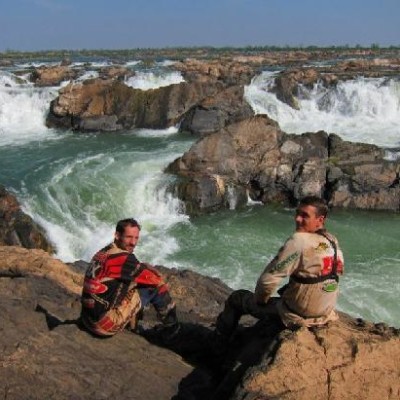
(123, 223)
(317, 202)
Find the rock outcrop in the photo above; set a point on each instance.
(18, 228)
(343, 361)
(255, 158)
(110, 105)
(52, 76)
(43, 360)
(210, 98)
(46, 354)
(230, 72)
(288, 83)
(216, 112)
(360, 177)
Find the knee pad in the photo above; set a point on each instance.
(239, 297)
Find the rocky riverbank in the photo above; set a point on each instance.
(47, 355)
(45, 352)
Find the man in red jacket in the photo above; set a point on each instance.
(117, 286)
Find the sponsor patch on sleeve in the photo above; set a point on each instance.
(285, 262)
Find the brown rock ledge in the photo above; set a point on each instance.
(45, 354)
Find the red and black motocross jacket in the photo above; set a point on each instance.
(107, 280)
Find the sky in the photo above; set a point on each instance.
(33, 25)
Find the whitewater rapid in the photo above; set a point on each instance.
(362, 110)
(78, 185)
(365, 110)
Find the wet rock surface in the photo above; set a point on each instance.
(255, 157)
(214, 113)
(18, 228)
(110, 105)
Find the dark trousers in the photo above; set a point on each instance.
(162, 303)
(242, 302)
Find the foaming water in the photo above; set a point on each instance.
(88, 75)
(152, 80)
(157, 132)
(8, 79)
(101, 64)
(78, 186)
(132, 63)
(23, 111)
(92, 181)
(23, 107)
(37, 64)
(363, 110)
(166, 63)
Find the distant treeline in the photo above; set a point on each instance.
(182, 52)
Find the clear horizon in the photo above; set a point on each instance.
(45, 25)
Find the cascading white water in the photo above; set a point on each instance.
(99, 189)
(79, 185)
(95, 187)
(363, 109)
(151, 80)
(22, 111)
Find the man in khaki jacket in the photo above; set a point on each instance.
(312, 259)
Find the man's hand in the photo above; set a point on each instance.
(151, 268)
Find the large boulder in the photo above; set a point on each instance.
(18, 228)
(255, 158)
(52, 76)
(111, 105)
(227, 71)
(251, 158)
(216, 112)
(46, 356)
(360, 177)
(220, 167)
(287, 84)
(345, 360)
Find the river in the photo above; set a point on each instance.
(78, 185)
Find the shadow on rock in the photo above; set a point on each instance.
(219, 367)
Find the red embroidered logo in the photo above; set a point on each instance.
(328, 265)
(94, 286)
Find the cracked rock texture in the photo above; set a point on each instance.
(255, 158)
(349, 359)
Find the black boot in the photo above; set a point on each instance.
(170, 325)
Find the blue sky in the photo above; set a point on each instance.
(27, 25)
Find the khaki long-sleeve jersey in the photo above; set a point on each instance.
(307, 255)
